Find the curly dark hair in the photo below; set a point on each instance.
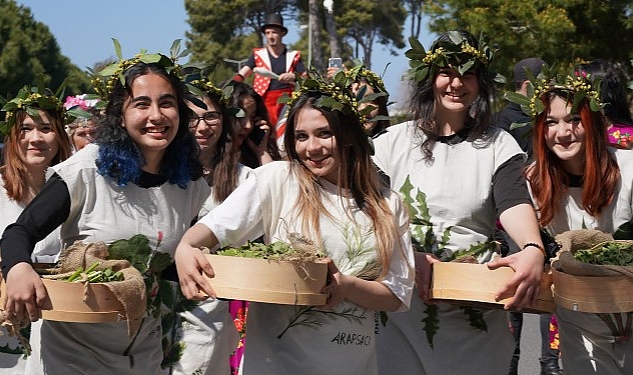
(120, 158)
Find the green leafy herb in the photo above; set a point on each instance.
(92, 275)
(273, 251)
(617, 253)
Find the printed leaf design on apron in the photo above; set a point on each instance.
(359, 259)
(358, 248)
(425, 240)
(308, 316)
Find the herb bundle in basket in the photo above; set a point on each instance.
(588, 252)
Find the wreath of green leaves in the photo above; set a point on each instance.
(336, 95)
(579, 86)
(34, 98)
(104, 80)
(455, 52)
(360, 72)
(198, 85)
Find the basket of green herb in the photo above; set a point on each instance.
(593, 272)
(83, 297)
(272, 273)
(86, 286)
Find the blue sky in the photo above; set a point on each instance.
(83, 30)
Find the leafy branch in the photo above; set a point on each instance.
(308, 317)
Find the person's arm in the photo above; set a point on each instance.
(518, 218)
(520, 223)
(246, 69)
(191, 262)
(47, 211)
(25, 292)
(235, 220)
(243, 73)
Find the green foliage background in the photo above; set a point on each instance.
(564, 32)
(28, 50)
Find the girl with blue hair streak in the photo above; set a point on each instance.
(141, 176)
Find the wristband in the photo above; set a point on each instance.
(533, 244)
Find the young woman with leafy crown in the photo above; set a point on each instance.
(578, 181)
(329, 194)
(457, 176)
(365, 83)
(140, 177)
(35, 141)
(207, 332)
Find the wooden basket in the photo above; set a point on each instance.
(476, 285)
(261, 280)
(593, 294)
(68, 305)
(101, 306)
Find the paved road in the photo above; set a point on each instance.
(530, 346)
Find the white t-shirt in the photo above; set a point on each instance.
(451, 207)
(304, 340)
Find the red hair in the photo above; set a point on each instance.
(14, 170)
(549, 180)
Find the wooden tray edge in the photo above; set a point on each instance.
(266, 296)
(84, 317)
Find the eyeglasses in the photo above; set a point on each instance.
(210, 118)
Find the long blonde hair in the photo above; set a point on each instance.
(356, 173)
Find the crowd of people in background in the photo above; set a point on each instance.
(161, 150)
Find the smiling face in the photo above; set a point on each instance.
(565, 135)
(82, 134)
(315, 144)
(150, 116)
(207, 133)
(454, 92)
(38, 143)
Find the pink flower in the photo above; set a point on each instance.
(79, 101)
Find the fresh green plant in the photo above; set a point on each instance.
(273, 251)
(617, 253)
(92, 275)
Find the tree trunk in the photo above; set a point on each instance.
(315, 40)
(330, 24)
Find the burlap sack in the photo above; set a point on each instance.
(573, 240)
(130, 292)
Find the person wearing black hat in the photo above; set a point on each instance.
(510, 114)
(276, 58)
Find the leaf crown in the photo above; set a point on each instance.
(360, 73)
(198, 85)
(105, 80)
(335, 94)
(455, 50)
(34, 98)
(579, 85)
